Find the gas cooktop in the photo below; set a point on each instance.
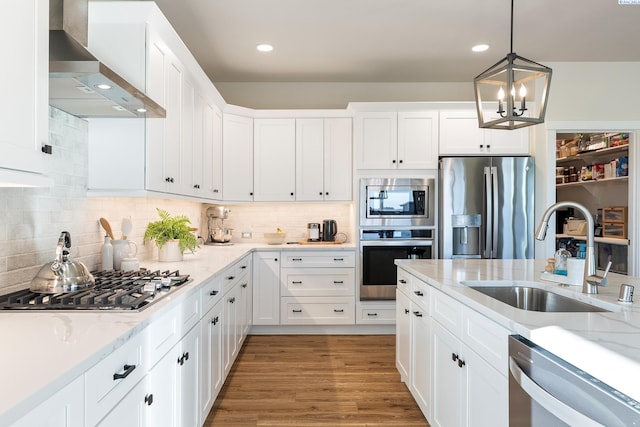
(113, 291)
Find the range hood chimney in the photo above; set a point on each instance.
(78, 81)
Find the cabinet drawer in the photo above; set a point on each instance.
(235, 273)
(403, 281)
(111, 379)
(487, 338)
(420, 294)
(318, 259)
(318, 281)
(447, 311)
(377, 315)
(210, 293)
(166, 331)
(317, 311)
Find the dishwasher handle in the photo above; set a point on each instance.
(561, 410)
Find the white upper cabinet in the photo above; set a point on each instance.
(212, 151)
(461, 135)
(405, 140)
(237, 157)
(274, 159)
(24, 127)
(323, 159)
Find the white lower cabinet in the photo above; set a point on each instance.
(266, 288)
(452, 358)
(211, 374)
(64, 409)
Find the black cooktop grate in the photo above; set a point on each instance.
(113, 290)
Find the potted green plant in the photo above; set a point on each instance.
(172, 235)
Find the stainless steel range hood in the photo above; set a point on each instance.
(79, 83)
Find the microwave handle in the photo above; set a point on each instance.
(559, 409)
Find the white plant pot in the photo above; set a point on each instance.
(170, 252)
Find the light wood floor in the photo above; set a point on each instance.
(318, 380)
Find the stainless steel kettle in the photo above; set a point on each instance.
(62, 274)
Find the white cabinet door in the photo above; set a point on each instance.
(420, 372)
(376, 139)
(212, 152)
(338, 163)
(485, 400)
(266, 288)
(237, 158)
(246, 307)
(24, 129)
(447, 378)
(197, 184)
(162, 382)
(231, 328)
(460, 133)
(210, 372)
(310, 159)
(188, 380)
(186, 140)
(323, 159)
(418, 140)
(133, 410)
(403, 336)
(274, 157)
(64, 409)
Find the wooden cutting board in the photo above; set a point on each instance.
(306, 242)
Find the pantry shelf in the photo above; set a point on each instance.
(595, 182)
(609, 240)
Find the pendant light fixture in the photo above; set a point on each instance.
(506, 93)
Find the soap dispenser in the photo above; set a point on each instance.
(560, 260)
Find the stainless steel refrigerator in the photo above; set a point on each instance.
(486, 207)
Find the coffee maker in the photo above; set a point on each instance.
(329, 230)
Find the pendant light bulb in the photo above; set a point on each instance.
(523, 91)
(501, 94)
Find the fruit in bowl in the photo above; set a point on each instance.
(276, 238)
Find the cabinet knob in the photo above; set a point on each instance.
(393, 161)
(196, 186)
(320, 193)
(326, 194)
(461, 363)
(148, 399)
(406, 311)
(232, 300)
(251, 194)
(402, 281)
(488, 146)
(454, 357)
(215, 190)
(244, 285)
(213, 293)
(400, 161)
(291, 193)
(47, 149)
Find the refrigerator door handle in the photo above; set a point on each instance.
(488, 236)
(495, 198)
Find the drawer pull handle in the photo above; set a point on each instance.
(297, 282)
(372, 314)
(242, 267)
(231, 277)
(213, 293)
(417, 314)
(338, 259)
(296, 259)
(402, 281)
(338, 282)
(419, 293)
(338, 310)
(127, 370)
(148, 399)
(297, 311)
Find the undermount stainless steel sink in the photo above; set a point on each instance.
(535, 299)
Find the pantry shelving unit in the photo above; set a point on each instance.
(596, 194)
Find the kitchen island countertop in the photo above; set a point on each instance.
(43, 351)
(604, 344)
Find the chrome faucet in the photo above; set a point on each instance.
(591, 281)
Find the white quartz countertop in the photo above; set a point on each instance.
(44, 351)
(604, 344)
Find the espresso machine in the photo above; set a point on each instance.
(217, 233)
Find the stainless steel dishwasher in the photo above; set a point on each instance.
(546, 391)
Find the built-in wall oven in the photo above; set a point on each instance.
(397, 221)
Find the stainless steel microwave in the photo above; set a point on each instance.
(397, 202)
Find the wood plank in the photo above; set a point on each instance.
(316, 380)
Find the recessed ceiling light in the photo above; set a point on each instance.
(103, 86)
(264, 47)
(480, 47)
(141, 110)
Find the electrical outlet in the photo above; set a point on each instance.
(246, 234)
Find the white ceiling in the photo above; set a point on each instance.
(395, 40)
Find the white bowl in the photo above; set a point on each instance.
(275, 238)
